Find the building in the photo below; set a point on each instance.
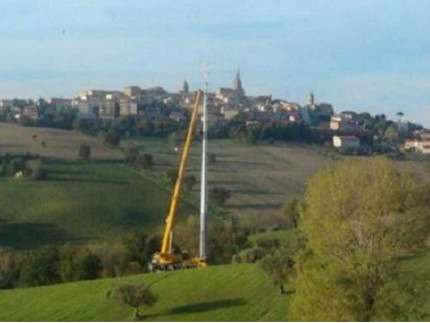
(132, 91)
(340, 122)
(421, 146)
(318, 112)
(59, 103)
(346, 142)
(127, 106)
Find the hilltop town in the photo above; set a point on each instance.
(232, 113)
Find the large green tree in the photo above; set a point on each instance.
(360, 217)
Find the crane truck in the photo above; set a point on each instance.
(166, 258)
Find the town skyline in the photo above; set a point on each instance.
(359, 55)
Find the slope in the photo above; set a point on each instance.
(79, 202)
(219, 293)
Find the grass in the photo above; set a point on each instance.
(219, 293)
(79, 202)
(284, 236)
(260, 177)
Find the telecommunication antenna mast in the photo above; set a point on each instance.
(203, 189)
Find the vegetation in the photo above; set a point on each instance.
(84, 152)
(360, 217)
(189, 182)
(219, 195)
(198, 295)
(135, 296)
(87, 202)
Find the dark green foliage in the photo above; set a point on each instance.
(172, 174)
(84, 152)
(135, 246)
(279, 266)
(132, 154)
(211, 159)
(34, 170)
(134, 296)
(89, 266)
(146, 161)
(219, 195)
(41, 268)
(189, 182)
(112, 137)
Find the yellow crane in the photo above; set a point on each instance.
(166, 259)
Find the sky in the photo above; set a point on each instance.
(363, 55)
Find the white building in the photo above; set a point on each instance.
(422, 146)
(346, 142)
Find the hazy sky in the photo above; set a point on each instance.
(362, 55)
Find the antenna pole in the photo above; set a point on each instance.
(203, 189)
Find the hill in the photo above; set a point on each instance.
(219, 293)
(79, 202)
(260, 177)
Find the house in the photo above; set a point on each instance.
(421, 146)
(177, 116)
(342, 122)
(127, 106)
(346, 142)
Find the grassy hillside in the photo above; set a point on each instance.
(77, 203)
(220, 293)
(260, 177)
(283, 236)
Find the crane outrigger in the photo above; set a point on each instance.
(166, 259)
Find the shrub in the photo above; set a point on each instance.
(112, 137)
(84, 152)
(219, 195)
(34, 170)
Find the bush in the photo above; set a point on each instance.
(132, 154)
(134, 296)
(219, 195)
(112, 137)
(212, 159)
(189, 182)
(34, 170)
(146, 161)
(84, 152)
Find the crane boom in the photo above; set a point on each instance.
(166, 247)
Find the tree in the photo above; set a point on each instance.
(359, 217)
(25, 121)
(134, 296)
(189, 182)
(292, 213)
(392, 135)
(220, 195)
(40, 268)
(172, 174)
(132, 154)
(146, 161)
(134, 243)
(112, 137)
(34, 170)
(212, 159)
(279, 266)
(89, 266)
(84, 152)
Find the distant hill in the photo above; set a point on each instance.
(80, 202)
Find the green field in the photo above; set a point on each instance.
(219, 293)
(284, 236)
(79, 202)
